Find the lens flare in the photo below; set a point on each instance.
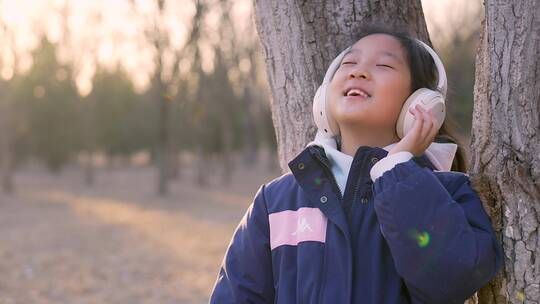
(521, 296)
(421, 238)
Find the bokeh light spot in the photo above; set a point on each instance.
(521, 296)
(39, 91)
(421, 238)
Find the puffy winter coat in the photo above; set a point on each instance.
(414, 235)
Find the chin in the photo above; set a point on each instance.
(353, 116)
(352, 122)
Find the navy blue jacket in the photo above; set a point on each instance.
(413, 236)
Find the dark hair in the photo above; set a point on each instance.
(423, 75)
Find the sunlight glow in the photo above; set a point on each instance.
(113, 33)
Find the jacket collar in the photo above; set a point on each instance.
(315, 180)
(438, 156)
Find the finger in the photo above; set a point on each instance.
(427, 125)
(414, 112)
(430, 136)
(417, 126)
(419, 118)
(426, 119)
(434, 130)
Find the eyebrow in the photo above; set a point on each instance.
(386, 53)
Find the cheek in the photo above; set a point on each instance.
(396, 88)
(393, 92)
(333, 94)
(395, 83)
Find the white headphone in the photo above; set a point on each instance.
(429, 99)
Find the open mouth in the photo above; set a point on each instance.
(356, 93)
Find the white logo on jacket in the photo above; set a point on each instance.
(302, 226)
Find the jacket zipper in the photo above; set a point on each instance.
(340, 196)
(332, 177)
(335, 185)
(358, 182)
(356, 188)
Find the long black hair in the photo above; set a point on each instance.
(423, 75)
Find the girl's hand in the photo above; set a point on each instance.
(422, 134)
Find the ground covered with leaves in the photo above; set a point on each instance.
(118, 242)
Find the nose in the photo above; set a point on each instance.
(358, 72)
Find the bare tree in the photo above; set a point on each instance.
(300, 39)
(505, 146)
(9, 118)
(86, 104)
(252, 99)
(7, 139)
(165, 80)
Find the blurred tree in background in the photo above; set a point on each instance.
(81, 98)
(456, 40)
(48, 99)
(121, 116)
(120, 82)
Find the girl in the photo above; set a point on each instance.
(365, 216)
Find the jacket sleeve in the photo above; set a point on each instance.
(246, 272)
(440, 237)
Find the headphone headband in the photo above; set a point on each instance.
(441, 85)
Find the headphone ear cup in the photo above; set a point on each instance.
(428, 99)
(321, 113)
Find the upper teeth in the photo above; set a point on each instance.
(357, 92)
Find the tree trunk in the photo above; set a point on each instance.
(88, 114)
(8, 170)
(7, 143)
(204, 164)
(163, 146)
(505, 148)
(249, 128)
(227, 160)
(89, 170)
(299, 40)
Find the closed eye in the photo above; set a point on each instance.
(384, 65)
(348, 62)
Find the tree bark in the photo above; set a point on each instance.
(299, 40)
(505, 148)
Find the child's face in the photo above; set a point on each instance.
(377, 65)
